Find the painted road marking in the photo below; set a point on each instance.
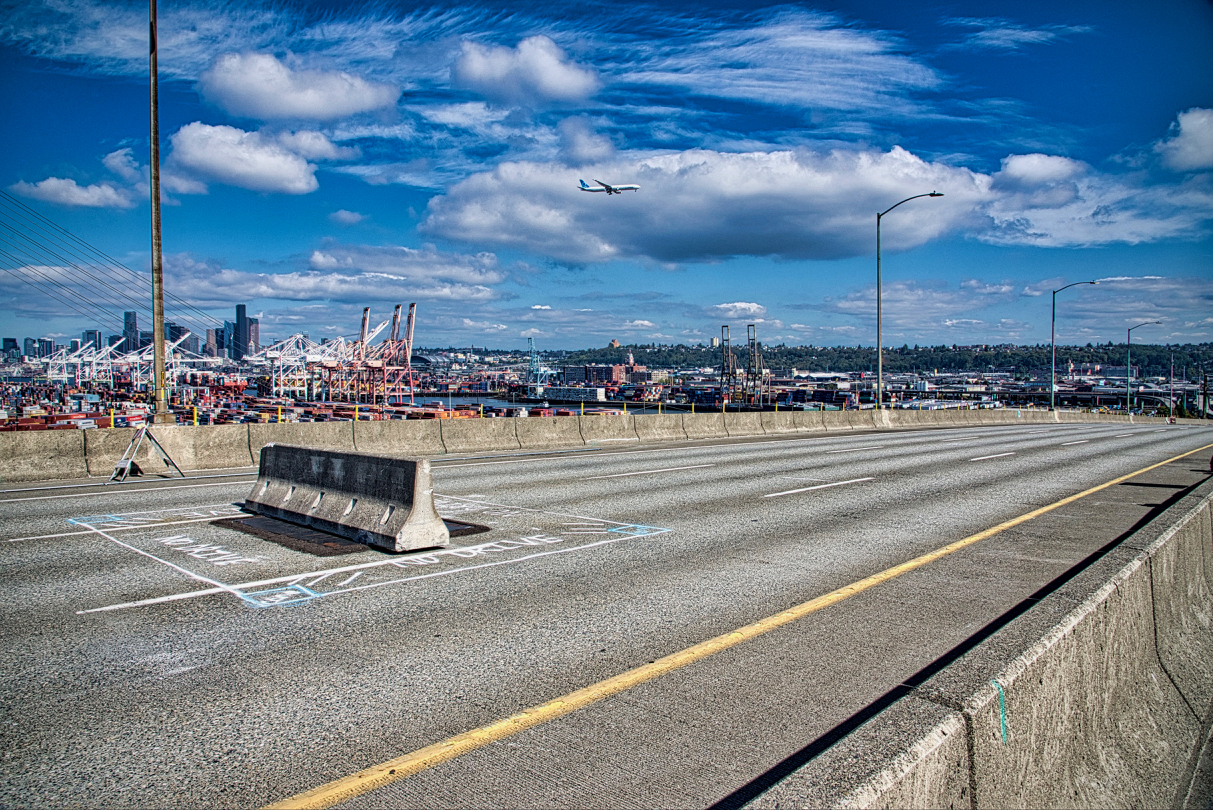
(125, 491)
(857, 449)
(996, 455)
(186, 571)
(1067, 444)
(1122, 435)
(385, 571)
(243, 471)
(648, 472)
(423, 759)
(819, 486)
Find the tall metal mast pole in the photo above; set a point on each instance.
(160, 397)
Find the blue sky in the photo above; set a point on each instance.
(319, 158)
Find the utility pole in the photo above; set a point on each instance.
(160, 415)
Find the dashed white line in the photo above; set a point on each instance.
(1083, 441)
(819, 486)
(1122, 435)
(857, 449)
(648, 472)
(996, 455)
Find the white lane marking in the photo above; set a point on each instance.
(1122, 435)
(648, 472)
(110, 483)
(819, 486)
(996, 455)
(1067, 444)
(123, 491)
(118, 529)
(450, 571)
(857, 449)
(794, 478)
(246, 586)
(216, 583)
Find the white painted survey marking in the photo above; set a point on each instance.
(174, 566)
(301, 587)
(647, 472)
(819, 486)
(1081, 441)
(856, 450)
(996, 455)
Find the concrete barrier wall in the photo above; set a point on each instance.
(743, 424)
(39, 455)
(1106, 708)
(51, 455)
(779, 422)
(399, 437)
(609, 428)
(476, 435)
(658, 428)
(547, 432)
(318, 435)
(704, 426)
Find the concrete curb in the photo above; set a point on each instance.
(1107, 707)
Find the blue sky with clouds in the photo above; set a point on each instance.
(319, 158)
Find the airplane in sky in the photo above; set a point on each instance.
(608, 189)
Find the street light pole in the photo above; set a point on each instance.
(1053, 342)
(879, 333)
(1129, 367)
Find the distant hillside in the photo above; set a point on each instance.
(1153, 360)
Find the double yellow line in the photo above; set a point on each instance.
(405, 766)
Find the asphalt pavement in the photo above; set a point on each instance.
(155, 659)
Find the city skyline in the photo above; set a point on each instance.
(316, 163)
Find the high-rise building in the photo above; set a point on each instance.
(241, 347)
(212, 344)
(46, 347)
(31, 347)
(114, 340)
(73, 346)
(228, 346)
(130, 330)
(91, 337)
(254, 336)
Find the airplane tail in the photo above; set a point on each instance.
(583, 185)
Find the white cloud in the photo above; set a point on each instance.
(1190, 147)
(738, 309)
(315, 146)
(484, 326)
(348, 274)
(238, 158)
(702, 205)
(580, 144)
(639, 325)
(123, 164)
(258, 85)
(540, 306)
(343, 217)
(65, 191)
(536, 71)
(1004, 35)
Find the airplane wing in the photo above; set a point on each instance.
(609, 189)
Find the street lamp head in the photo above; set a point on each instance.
(935, 194)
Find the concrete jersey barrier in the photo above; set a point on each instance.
(42, 455)
(548, 432)
(613, 428)
(399, 437)
(1106, 709)
(383, 502)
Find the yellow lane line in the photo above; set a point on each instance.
(405, 766)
